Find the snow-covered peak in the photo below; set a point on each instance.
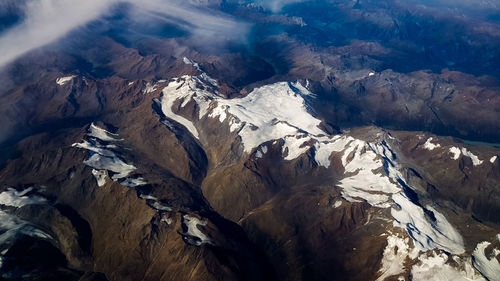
(267, 113)
(270, 112)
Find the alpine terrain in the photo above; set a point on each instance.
(249, 140)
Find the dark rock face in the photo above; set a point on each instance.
(109, 229)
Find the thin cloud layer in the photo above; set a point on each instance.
(276, 5)
(48, 20)
(200, 22)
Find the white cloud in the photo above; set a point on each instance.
(48, 20)
(201, 22)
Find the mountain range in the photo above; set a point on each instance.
(250, 140)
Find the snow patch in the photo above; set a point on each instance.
(455, 151)
(429, 145)
(264, 149)
(258, 154)
(149, 88)
(434, 266)
(427, 234)
(113, 164)
(100, 176)
(203, 75)
(63, 80)
(154, 203)
(101, 134)
(326, 145)
(190, 62)
(14, 198)
(294, 146)
(395, 254)
(337, 203)
(364, 170)
(474, 158)
(431, 265)
(133, 182)
(166, 220)
(487, 265)
(104, 158)
(261, 151)
(157, 205)
(95, 147)
(194, 235)
(148, 197)
(493, 159)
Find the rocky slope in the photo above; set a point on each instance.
(187, 184)
(366, 180)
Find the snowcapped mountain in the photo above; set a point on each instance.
(250, 140)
